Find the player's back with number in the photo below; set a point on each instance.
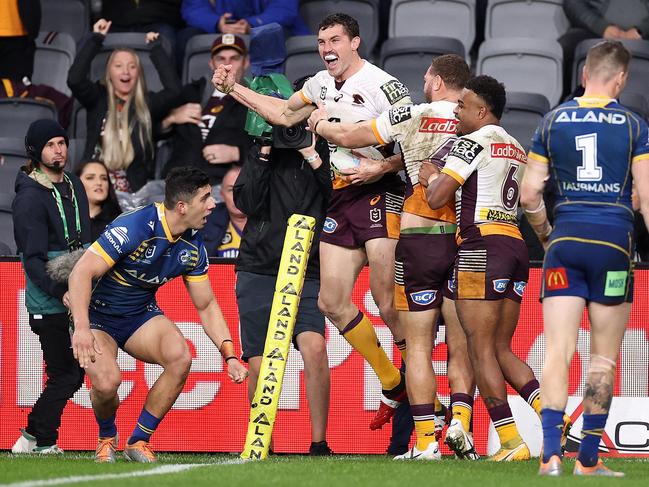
(488, 163)
(590, 144)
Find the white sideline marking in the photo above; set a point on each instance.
(162, 470)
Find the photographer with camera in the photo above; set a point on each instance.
(291, 176)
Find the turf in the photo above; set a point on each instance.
(375, 471)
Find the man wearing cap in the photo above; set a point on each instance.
(209, 128)
(51, 218)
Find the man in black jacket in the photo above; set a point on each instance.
(271, 187)
(209, 129)
(51, 218)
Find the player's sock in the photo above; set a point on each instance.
(531, 392)
(360, 334)
(552, 423)
(440, 409)
(505, 426)
(145, 427)
(401, 345)
(424, 416)
(591, 434)
(462, 407)
(107, 428)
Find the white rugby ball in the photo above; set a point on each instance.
(342, 159)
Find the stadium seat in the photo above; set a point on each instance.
(523, 113)
(302, 57)
(7, 243)
(12, 157)
(16, 114)
(524, 64)
(77, 127)
(70, 16)
(75, 154)
(197, 55)
(636, 102)
(446, 18)
(543, 19)
(365, 11)
(407, 58)
(55, 53)
(638, 70)
(134, 40)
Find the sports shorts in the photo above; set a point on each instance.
(594, 263)
(423, 265)
(491, 267)
(357, 214)
(255, 299)
(120, 327)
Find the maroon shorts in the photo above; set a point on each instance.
(423, 266)
(357, 214)
(491, 267)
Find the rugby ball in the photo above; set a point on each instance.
(342, 159)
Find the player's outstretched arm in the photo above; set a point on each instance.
(640, 173)
(343, 134)
(275, 110)
(534, 179)
(90, 266)
(215, 326)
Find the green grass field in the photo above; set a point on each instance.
(226, 470)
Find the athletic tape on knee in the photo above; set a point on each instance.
(288, 289)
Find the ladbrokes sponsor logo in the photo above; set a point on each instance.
(508, 151)
(438, 125)
(556, 278)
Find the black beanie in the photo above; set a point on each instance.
(39, 133)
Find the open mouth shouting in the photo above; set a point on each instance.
(331, 61)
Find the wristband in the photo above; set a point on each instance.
(312, 159)
(230, 358)
(227, 348)
(315, 127)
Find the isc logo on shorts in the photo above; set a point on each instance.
(423, 297)
(330, 225)
(500, 285)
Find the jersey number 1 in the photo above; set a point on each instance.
(589, 170)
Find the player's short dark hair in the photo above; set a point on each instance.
(182, 183)
(349, 24)
(607, 58)
(453, 70)
(491, 91)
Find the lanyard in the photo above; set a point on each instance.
(59, 205)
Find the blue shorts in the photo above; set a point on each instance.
(120, 327)
(590, 262)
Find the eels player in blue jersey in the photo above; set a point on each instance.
(136, 254)
(594, 148)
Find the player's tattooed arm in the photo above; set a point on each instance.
(369, 170)
(343, 134)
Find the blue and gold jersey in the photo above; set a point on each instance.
(142, 256)
(590, 144)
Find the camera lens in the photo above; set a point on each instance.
(292, 133)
